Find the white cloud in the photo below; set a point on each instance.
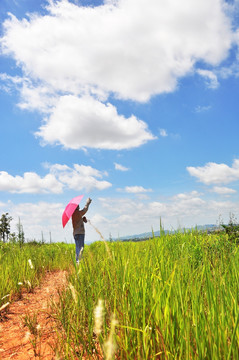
(8, 82)
(135, 189)
(211, 78)
(126, 49)
(107, 47)
(200, 109)
(120, 167)
(213, 173)
(187, 196)
(40, 97)
(80, 177)
(33, 96)
(29, 183)
(134, 216)
(85, 122)
(186, 205)
(142, 196)
(37, 219)
(163, 132)
(222, 190)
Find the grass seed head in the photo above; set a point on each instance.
(73, 292)
(110, 345)
(28, 283)
(30, 264)
(4, 306)
(99, 314)
(81, 253)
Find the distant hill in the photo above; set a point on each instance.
(147, 235)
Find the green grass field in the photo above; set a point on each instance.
(22, 267)
(173, 297)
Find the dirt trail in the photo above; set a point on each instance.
(37, 340)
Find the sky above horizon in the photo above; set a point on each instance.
(133, 103)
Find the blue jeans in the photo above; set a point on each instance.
(79, 240)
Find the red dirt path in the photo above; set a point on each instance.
(16, 340)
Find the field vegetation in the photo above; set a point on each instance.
(22, 266)
(172, 297)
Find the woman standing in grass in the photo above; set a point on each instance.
(78, 220)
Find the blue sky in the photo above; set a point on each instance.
(135, 106)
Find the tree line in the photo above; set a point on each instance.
(5, 230)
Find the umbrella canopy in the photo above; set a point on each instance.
(70, 208)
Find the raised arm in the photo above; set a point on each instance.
(85, 209)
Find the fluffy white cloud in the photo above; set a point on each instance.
(210, 77)
(132, 49)
(29, 183)
(129, 49)
(36, 96)
(222, 190)
(80, 177)
(213, 173)
(186, 205)
(133, 216)
(120, 167)
(187, 196)
(136, 189)
(85, 122)
(37, 219)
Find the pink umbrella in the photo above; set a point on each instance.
(70, 208)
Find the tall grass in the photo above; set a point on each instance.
(23, 267)
(173, 297)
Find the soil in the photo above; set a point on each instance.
(28, 330)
